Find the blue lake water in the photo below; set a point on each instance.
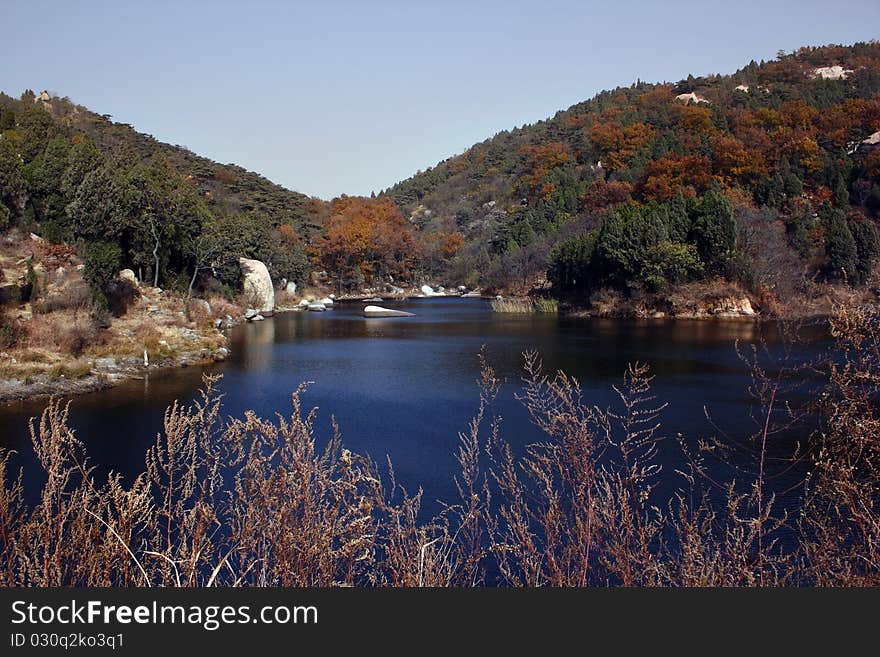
(405, 387)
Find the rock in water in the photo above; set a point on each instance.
(258, 287)
(327, 301)
(317, 307)
(428, 291)
(379, 311)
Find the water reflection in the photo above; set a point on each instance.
(404, 387)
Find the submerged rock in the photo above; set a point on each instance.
(379, 311)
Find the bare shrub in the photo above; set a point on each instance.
(121, 294)
(76, 339)
(72, 296)
(841, 521)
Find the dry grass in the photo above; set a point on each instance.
(221, 307)
(522, 306)
(525, 305)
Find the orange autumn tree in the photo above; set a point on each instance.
(669, 175)
(367, 242)
(618, 147)
(540, 160)
(437, 249)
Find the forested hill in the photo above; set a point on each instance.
(125, 200)
(766, 180)
(768, 175)
(228, 185)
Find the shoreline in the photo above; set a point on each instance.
(15, 390)
(108, 375)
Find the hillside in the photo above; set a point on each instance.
(760, 189)
(767, 178)
(228, 185)
(106, 235)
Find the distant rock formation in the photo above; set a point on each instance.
(831, 72)
(868, 144)
(691, 98)
(872, 139)
(258, 288)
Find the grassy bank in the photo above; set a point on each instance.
(50, 341)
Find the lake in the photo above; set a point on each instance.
(405, 387)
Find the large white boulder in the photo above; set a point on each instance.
(128, 275)
(428, 291)
(317, 306)
(379, 311)
(258, 288)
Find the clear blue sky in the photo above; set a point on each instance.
(332, 97)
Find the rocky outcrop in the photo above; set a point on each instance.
(258, 289)
(379, 311)
(725, 307)
(696, 301)
(831, 72)
(691, 98)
